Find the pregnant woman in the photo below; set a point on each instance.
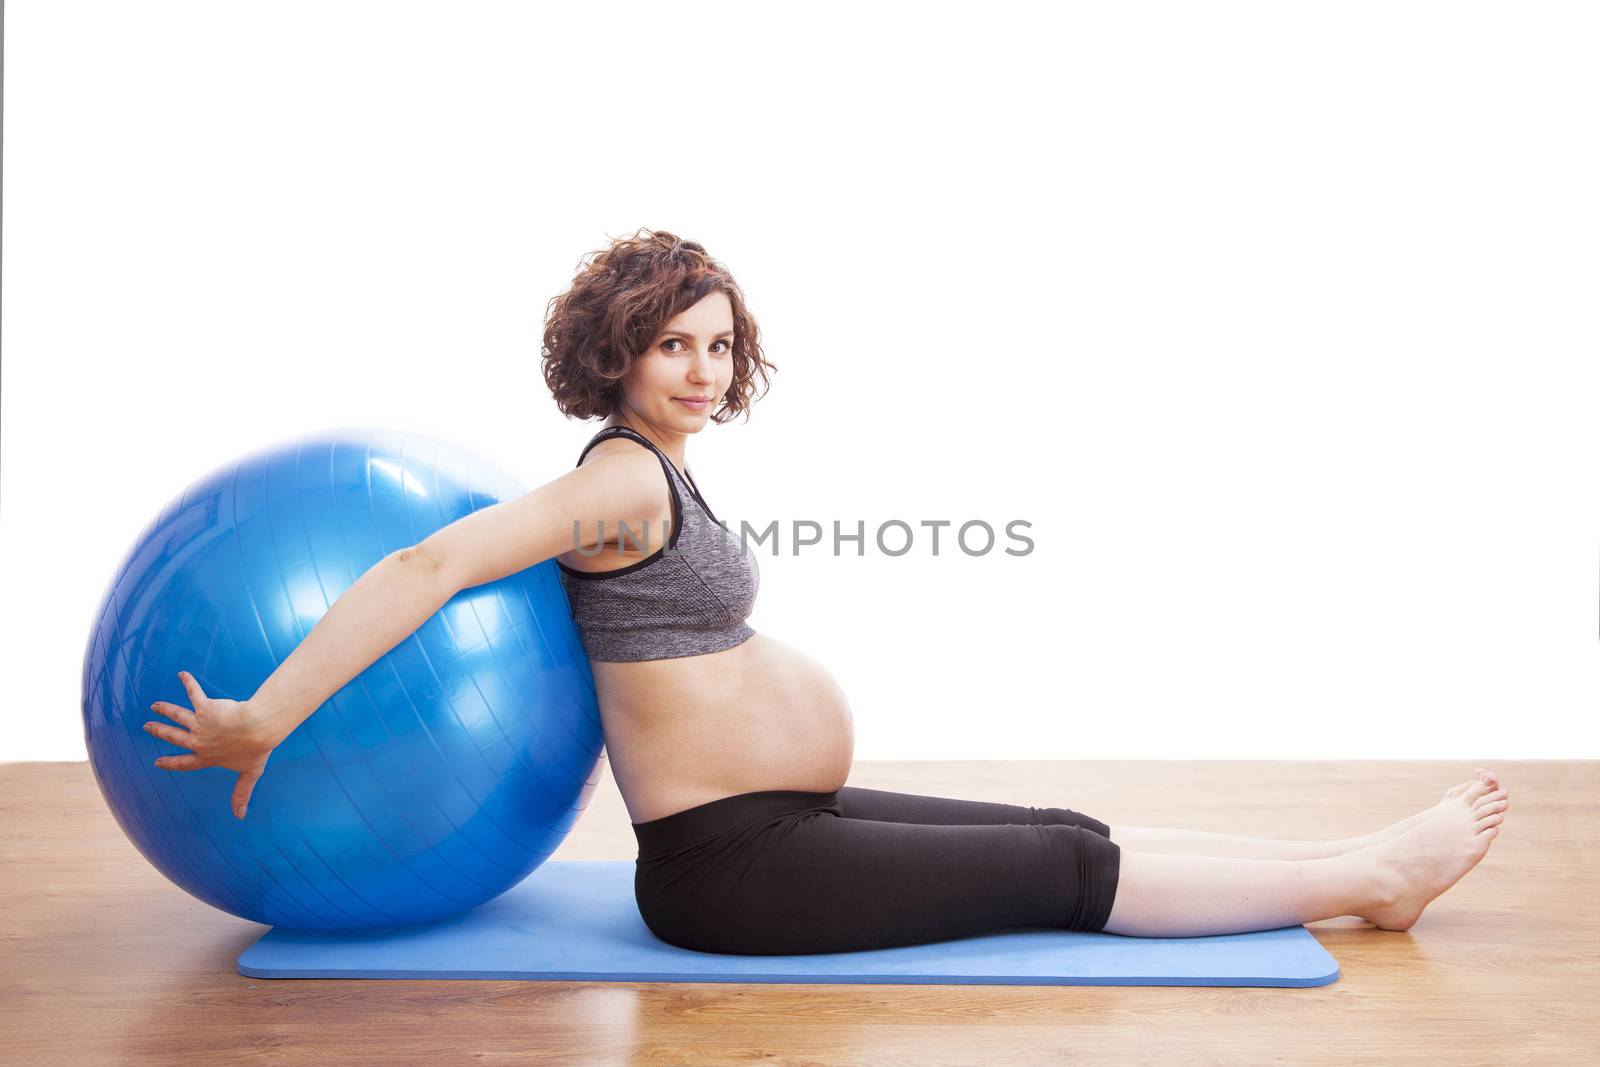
(731, 749)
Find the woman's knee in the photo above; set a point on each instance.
(1094, 871)
(1068, 817)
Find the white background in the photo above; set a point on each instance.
(1277, 322)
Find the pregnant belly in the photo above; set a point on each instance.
(687, 731)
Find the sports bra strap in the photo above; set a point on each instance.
(608, 432)
(613, 431)
(688, 479)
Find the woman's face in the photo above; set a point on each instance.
(691, 358)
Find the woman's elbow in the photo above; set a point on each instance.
(422, 557)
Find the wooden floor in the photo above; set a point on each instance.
(102, 961)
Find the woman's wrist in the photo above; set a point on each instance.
(271, 725)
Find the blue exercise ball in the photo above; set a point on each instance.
(438, 778)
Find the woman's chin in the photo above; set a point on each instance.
(685, 421)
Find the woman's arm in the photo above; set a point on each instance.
(395, 597)
(390, 601)
(623, 486)
(398, 593)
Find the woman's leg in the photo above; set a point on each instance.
(1203, 843)
(818, 882)
(1153, 840)
(1194, 896)
(885, 806)
(880, 805)
(1388, 884)
(823, 883)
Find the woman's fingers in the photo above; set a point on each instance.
(197, 696)
(241, 792)
(177, 713)
(170, 733)
(219, 734)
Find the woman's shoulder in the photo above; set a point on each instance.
(621, 461)
(619, 444)
(624, 484)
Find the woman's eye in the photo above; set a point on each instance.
(727, 346)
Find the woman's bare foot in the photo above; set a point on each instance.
(1436, 853)
(1393, 830)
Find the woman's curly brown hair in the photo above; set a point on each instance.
(616, 307)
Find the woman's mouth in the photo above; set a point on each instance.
(693, 404)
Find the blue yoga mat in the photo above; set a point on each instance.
(577, 921)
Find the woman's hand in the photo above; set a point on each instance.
(219, 733)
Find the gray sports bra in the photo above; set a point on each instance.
(690, 596)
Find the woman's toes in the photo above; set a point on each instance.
(1476, 789)
(1482, 781)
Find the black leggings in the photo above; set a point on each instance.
(780, 872)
